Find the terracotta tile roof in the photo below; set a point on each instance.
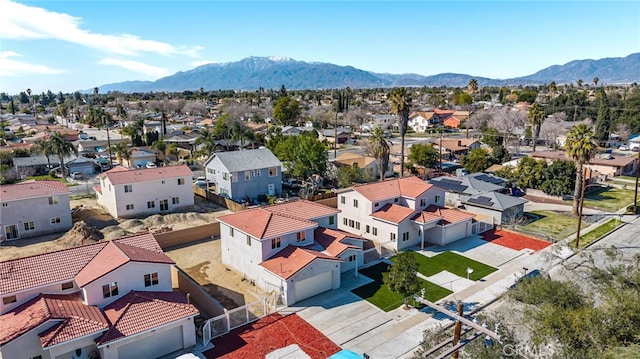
(60, 266)
(302, 209)
(616, 161)
(457, 144)
(113, 256)
(448, 215)
(291, 259)
(147, 174)
(331, 240)
(424, 217)
(32, 189)
(424, 114)
(410, 187)
(348, 159)
(137, 312)
(76, 319)
(393, 213)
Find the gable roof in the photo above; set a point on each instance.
(302, 209)
(349, 159)
(470, 184)
(32, 189)
(331, 240)
(494, 200)
(75, 319)
(458, 144)
(393, 213)
(235, 161)
(427, 115)
(60, 266)
(120, 175)
(448, 215)
(410, 187)
(615, 161)
(291, 259)
(137, 312)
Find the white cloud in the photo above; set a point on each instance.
(11, 67)
(136, 66)
(23, 22)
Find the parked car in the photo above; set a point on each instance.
(151, 165)
(623, 148)
(76, 175)
(291, 182)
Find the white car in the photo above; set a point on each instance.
(151, 165)
(623, 148)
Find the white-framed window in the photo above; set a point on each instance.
(345, 221)
(249, 240)
(225, 176)
(438, 198)
(352, 258)
(128, 188)
(11, 231)
(367, 229)
(231, 231)
(55, 220)
(180, 181)
(355, 203)
(67, 285)
(392, 237)
(247, 175)
(29, 226)
(423, 202)
(53, 200)
(151, 204)
(273, 171)
(357, 225)
(175, 200)
(150, 279)
(9, 299)
(110, 290)
(351, 223)
(163, 181)
(405, 236)
(5, 204)
(374, 230)
(276, 243)
(234, 177)
(255, 173)
(343, 200)
(129, 207)
(211, 171)
(301, 236)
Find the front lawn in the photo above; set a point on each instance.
(52, 178)
(382, 297)
(451, 262)
(589, 237)
(608, 199)
(553, 224)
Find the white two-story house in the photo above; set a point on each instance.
(112, 299)
(127, 193)
(401, 213)
(292, 248)
(34, 208)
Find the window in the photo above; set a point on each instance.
(357, 225)
(423, 202)
(180, 181)
(355, 203)
(5, 204)
(231, 232)
(36, 357)
(344, 221)
(162, 181)
(405, 236)
(375, 231)
(151, 204)
(301, 236)
(343, 200)
(129, 207)
(211, 171)
(128, 188)
(175, 200)
(225, 176)
(67, 285)
(150, 279)
(352, 258)
(164, 205)
(110, 290)
(377, 204)
(247, 175)
(395, 200)
(249, 240)
(234, 177)
(29, 226)
(331, 220)
(351, 223)
(393, 237)
(11, 231)
(55, 220)
(273, 171)
(367, 229)
(53, 200)
(275, 243)
(256, 173)
(438, 199)
(9, 300)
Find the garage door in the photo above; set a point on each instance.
(314, 285)
(154, 346)
(456, 232)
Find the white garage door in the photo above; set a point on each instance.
(154, 346)
(314, 285)
(456, 232)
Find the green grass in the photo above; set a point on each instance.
(52, 178)
(589, 237)
(552, 224)
(451, 262)
(382, 297)
(608, 199)
(630, 178)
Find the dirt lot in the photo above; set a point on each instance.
(203, 263)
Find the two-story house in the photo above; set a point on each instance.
(245, 174)
(34, 208)
(127, 193)
(400, 213)
(292, 248)
(420, 121)
(112, 299)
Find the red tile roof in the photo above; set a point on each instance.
(137, 312)
(119, 176)
(302, 209)
(393, 213)
(291, 259)
(331, 240)
(77, 319)
(424, 217)
(410, 187)
(448, 215)
(32, 189)
(61, 266)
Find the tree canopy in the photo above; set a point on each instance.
(401, 277)
(286, 111)
(302, 155)
(423, 154)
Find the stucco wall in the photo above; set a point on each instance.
(40, 212)
(188, 235)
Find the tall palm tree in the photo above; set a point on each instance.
(62, 148)
(536, 118)
(208, 140)
(400, 103)
(595, 81)
(44, 148)
(581, 146)
(473, 85)
(380, 150)
(122, 151)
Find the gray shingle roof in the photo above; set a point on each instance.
(494, 200)
(244, 160)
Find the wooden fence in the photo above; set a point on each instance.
(180, 237)
(219, 200)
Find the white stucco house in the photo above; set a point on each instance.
(292, 248)
(100, 299)
(400, 213)
(34, 208)
(127, 193)
(420, 121)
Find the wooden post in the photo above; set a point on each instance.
(584, 175)
(635, 195)
(457, 330)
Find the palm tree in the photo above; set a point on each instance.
(122, 151)
(580, 146)
(44, 148)
(379, 148)
(400, 103)
(473, 85)
(536, 118)
(161, 147)
(207, 139)
(595, 81)
(62, 148)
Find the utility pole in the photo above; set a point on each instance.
(457, 330)
(635, 195)
(441, 134)
(584, 175)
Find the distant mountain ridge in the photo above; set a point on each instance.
(272, 72)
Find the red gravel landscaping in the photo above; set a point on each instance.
(270, 333)
(514, 240)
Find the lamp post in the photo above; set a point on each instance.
(469, 271)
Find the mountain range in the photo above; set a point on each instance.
(272, 72)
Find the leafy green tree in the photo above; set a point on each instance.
(160, 146)
(379, 148)
(461, 98)
(559, 178)
(527, 95)
(603, 121)
(492, 137)
(400, 103)
(531, 173)
(348, 175)
(580, 146)
(424, 154)
(286, 111)
(401, 277)
(302, 155)
(208, 142)
(536, 118)
(121, 150)
(477, 160)
(501, 154)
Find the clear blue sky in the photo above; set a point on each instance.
(72, 45)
